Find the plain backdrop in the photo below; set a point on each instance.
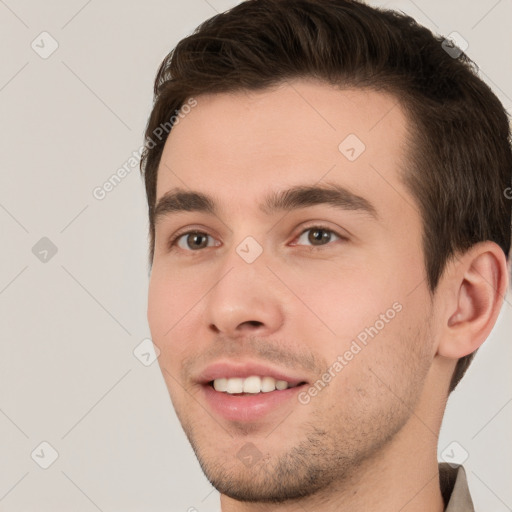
(75, 392)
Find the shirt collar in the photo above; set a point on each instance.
(454, 488)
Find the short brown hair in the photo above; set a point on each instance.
(460, 153)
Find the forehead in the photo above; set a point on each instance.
(239, 147)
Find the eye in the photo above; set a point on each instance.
(318, 235)
(193, 240)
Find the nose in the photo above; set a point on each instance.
(247, 300)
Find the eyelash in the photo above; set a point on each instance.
(173, 242)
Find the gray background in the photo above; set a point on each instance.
(70, 324)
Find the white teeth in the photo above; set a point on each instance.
(235, 385)
(252, 384)
(281, 384)
(268, 384)
(220, 384)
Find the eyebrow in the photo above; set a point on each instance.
(301, 196)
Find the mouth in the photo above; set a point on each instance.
(231, 403)
(248, 391)
(252, 385)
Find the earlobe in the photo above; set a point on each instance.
(480, 278)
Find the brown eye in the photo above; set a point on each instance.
(318, 236)
(190, 240)
(197, 240)
(193, 240)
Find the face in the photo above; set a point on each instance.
(325, 291)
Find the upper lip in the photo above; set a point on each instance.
(226, 369)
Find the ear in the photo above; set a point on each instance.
(475, 288)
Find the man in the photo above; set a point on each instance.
(330, 231)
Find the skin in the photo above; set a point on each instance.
(368, 440)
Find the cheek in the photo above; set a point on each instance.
(384, 374)
(170, 305)
(367, 316)
(166, 306)
(170, 296)
(341, 299)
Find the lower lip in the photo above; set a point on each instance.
(251, 407)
